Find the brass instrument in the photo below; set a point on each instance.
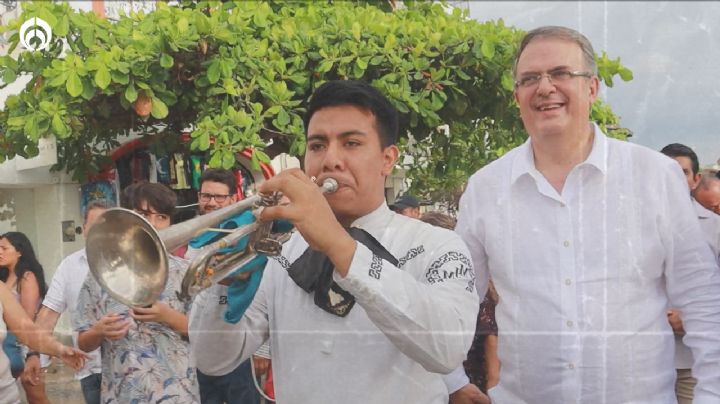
(129, 258)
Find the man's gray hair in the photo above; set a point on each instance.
(97, 204)
(708, 179)
(563, 33)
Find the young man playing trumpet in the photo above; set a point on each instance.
(364, 305)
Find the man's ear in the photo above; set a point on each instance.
(390, 156)
(594, 88)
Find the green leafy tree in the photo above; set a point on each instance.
(238, 75)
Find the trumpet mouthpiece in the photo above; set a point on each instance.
(329, 185)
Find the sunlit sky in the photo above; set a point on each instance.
(673, 49)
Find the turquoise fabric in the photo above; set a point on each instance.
(243, 219)
(240, 292)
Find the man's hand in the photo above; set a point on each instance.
(112, 327)
(73, 357)
(33, 371)
(312, 216)
(305, 207)
(260, 364)
(469, 394)
(675, 321)
(157, 313)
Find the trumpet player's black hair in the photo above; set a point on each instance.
(362, 95)
(222, 176)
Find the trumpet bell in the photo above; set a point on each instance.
(126, 256)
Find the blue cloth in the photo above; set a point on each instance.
(91, 388)
(240, 292)
(12, 349)
(243, 219)
(236, 387)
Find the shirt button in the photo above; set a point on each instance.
(570, 323)
(566, 243)
(571, 366)
(568, 282)
(562, 204)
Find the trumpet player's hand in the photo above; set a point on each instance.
(112, 326)
(308, 209)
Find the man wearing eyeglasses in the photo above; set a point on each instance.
(585, 260)
(222, 376)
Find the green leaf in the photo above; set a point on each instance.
(58, 126)
(74, 85)
(89, 90)
(102, 77)
(215, 159)
(204, 141)
(166, 61)
(356, 31)
(213, 72)
(202, 23)
(625, 74)
(131, 93)
(325, 66)
(120, 78)
(9, 76)
(182, 25)
(283, 118)
(63, 27)
(159, 109)
(228, 159)
(488, 49)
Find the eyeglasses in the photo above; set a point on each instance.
(218, 198)
(555, 77)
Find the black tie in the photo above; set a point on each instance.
(313, 272)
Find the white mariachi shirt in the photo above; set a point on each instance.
(410, 323)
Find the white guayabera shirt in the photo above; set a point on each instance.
(410, 323)
(584, 277)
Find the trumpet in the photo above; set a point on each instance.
(129, 258)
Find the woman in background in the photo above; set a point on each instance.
(24, 276)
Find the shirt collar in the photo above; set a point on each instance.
(377, 218)
(524, 161)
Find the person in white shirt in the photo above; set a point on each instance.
(707, 192)
(363, 305)
(63, 293)
(710, 223)
(587, 240)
